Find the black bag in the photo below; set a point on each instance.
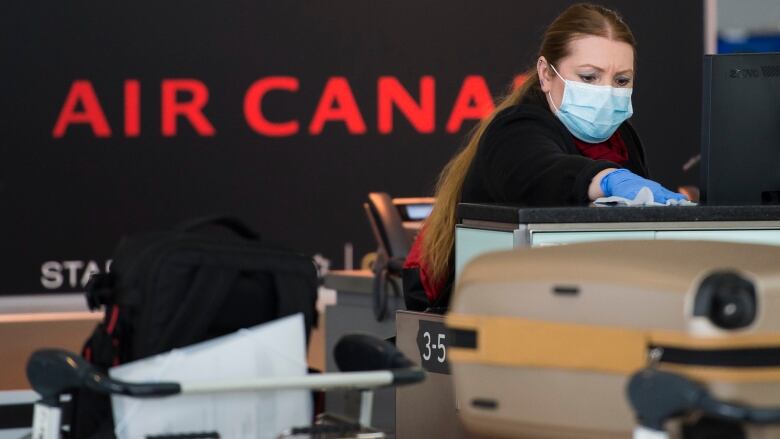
(175, 288)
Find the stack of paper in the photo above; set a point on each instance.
(273, 349)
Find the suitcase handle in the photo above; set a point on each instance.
(657, 396)
(233, 224)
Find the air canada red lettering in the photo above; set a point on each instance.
(191, 110)
(337, 103)
(91, 113)
(132, 108)
(473, 102)
(183, 101)
(421, 115)
(253, 112)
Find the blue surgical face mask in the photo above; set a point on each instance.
(592, 113)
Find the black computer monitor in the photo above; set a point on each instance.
(740, 154)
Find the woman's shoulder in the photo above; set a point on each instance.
(525, 117)
(525, 111)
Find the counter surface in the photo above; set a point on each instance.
(503, 213)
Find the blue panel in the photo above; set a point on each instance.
(749, 44)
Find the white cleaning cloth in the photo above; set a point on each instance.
(643, 198)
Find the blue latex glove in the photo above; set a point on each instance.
(626, 184)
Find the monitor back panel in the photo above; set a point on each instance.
(741, 129)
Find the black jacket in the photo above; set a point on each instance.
(528, 157)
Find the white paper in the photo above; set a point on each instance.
(273, 349)
(643, 198)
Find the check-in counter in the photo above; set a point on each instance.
(483, 228)
(353, 313)
(28, 323)
(429, 409)
(353, 310)
(426, 410)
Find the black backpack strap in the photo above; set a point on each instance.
(100, 290)
(233, 224)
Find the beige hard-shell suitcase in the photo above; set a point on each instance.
(545, 339)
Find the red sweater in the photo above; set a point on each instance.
(414, 260)
(612, 149)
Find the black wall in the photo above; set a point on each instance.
(70, 198)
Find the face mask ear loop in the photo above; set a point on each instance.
(552, 102)
(548, 93)
(556, 72)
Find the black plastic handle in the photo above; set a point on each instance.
(657, 396)
(54, 372)
(408, 376)
(364, 352)
(233, 224)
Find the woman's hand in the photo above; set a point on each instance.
(624, 183)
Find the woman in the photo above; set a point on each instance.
(560, 139)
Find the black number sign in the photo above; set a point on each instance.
(432, 340)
